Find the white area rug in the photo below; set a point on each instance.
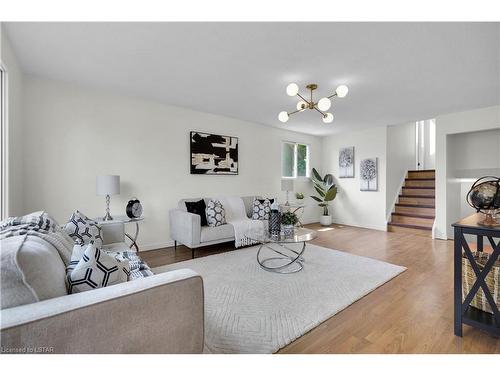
(250, 310)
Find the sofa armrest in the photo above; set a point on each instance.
(185, 227)
(163, 313)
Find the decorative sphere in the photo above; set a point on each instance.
(283, 116)
(324, 104)
(292, 89)
(485, 194)
(342, 91)
(328, 118)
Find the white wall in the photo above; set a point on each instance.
(74, 134)
(352, 206)
(15, 127)
(448, 187)
(400, 159)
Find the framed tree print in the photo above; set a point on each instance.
(368, 173)
(346, 162)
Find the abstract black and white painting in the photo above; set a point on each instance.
(346, 162)
(368, 174)
(213, 154)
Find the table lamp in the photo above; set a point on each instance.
(287, 185)
(108, 185)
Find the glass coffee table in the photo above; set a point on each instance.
(283, 254)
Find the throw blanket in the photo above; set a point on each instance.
(41, 225)
(138, 268)
(245, 229)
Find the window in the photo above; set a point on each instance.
(294, 160)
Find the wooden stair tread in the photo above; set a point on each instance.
(415, 205)
(417, 196)
(420, 187)
(412, 226)
(419, 179)
(413, 215)
(422, 170)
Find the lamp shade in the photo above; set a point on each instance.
(286, 185)
(108, 185)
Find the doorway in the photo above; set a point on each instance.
(425, 144)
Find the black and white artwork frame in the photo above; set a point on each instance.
(346, 162)
(368, 174)
(213, 154)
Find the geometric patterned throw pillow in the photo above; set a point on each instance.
(216, 215)
(261, 209)
(95, 269)
(82, 229)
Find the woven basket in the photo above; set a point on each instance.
(492, 280)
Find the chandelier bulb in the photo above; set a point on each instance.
(301, 106)
(324, 104)
(342, 91)
(327, 118)
(292, 89)
(283, 116)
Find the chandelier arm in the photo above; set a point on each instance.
(331, 96)
(291, 113)
(301, 97)
(322, 113)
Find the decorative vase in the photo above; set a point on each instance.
(274, 223)
(288, 230)
(325, 220)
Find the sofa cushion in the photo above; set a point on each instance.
(95, 269)
(198, 208)
(31, 271)
(81, 228)
(216, 215)
(261, 209)
(221, 232)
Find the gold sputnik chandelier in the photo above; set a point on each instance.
(321, 106)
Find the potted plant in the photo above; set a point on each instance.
(327, 191)
(288, 221)
(299, 196)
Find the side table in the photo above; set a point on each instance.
(125, 220)
(464, 312)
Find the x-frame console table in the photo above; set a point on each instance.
(464, 313)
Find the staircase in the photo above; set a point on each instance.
(415, 211)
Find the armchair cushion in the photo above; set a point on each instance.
(220, 232)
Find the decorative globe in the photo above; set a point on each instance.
(484, 195)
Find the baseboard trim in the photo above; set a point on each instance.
(156, 246)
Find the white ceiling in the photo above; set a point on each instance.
(396, 72)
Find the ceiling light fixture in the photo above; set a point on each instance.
(321, 105)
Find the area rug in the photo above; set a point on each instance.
(250, 310)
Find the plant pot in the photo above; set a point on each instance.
(287, 230)
(325, 220)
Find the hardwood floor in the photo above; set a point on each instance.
(412, 313)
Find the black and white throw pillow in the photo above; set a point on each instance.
(261, 209)
(216, 215)
(95, 269)
(198, 208)
(82, 229)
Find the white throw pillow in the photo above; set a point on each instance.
(261, 209)
(95, 269)
(216, 215)
(81, 228)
